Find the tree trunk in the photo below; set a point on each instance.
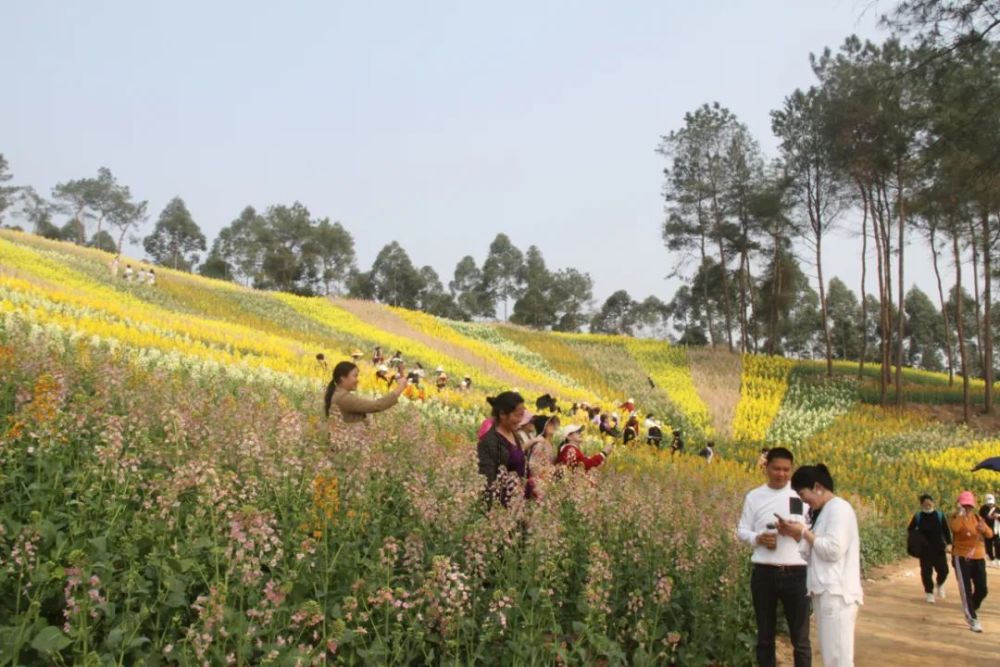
(709, 311)
(885, 224)
(775, 293)
(987, 314)
(974, 242)
(726, 306)
(961, 327)
(944, 311)
(879, 266)
(823, 311)
(901, 322)
(864, 275)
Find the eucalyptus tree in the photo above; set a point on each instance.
(809, 160)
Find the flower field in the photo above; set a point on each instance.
(171, 494)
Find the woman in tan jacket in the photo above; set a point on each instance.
(354, 409)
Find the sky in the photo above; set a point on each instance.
(435, 124)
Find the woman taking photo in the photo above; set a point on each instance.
(832, 548)
(499, 450)
(354, 409)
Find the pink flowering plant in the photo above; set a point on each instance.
(166, 516)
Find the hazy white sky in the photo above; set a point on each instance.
(436, 124)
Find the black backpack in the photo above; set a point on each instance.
(916, 543)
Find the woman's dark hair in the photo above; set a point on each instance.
(504, 403)
(807, 477)
(541, 421)
(340, 371)
(926, 496)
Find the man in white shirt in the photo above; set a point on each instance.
(779, 570)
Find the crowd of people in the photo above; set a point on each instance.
(970, 535)
(139, 276)
(806, 546)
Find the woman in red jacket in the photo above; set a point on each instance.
(570, 453)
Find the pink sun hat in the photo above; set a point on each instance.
(966, 499)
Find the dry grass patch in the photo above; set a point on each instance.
(716, 375)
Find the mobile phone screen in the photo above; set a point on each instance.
(795, 506)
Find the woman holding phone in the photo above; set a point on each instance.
(832, 547)
(968, 551)
(354, 409)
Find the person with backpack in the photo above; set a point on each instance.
(991, 515)
(928, 538)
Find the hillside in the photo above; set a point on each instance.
(168, 440)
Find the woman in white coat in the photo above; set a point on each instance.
(832, 548)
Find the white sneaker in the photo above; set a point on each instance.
(976, 626)
(930, 598)
(939, 592)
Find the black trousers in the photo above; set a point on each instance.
(770, 584)
(930, 564)
(993, 547)
(971, 575)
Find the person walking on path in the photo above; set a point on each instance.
(991, 515)
(934, 538)
(968, 553)
(832, 548)
(354, 409)
(779, 570)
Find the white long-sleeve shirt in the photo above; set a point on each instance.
(834, 557)
(759, 508)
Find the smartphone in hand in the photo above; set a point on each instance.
(795, 506)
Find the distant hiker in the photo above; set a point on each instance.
(654, 434)
(631, 432)
(113, 267)
(383, 374)
(969, 532)
(465, 384)
(356, 355)
(141, 276)
(833, 554)
(572, 456)
(128, 273)
(377, 357)
(499, 451)
(441, 382)
(677, 444)
(351, 408)
(414, 391)
(321, 360)
(991, 515)
(652, 385)
(608, 428)
(928, 538)
(396, 360)
(546, 402)
(779, 569)
(628, 406)
(151, 278)
(708, 451)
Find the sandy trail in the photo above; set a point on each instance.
(385, 319)
(897, 628)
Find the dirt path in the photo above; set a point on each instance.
(385, 319)
(897, 628)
